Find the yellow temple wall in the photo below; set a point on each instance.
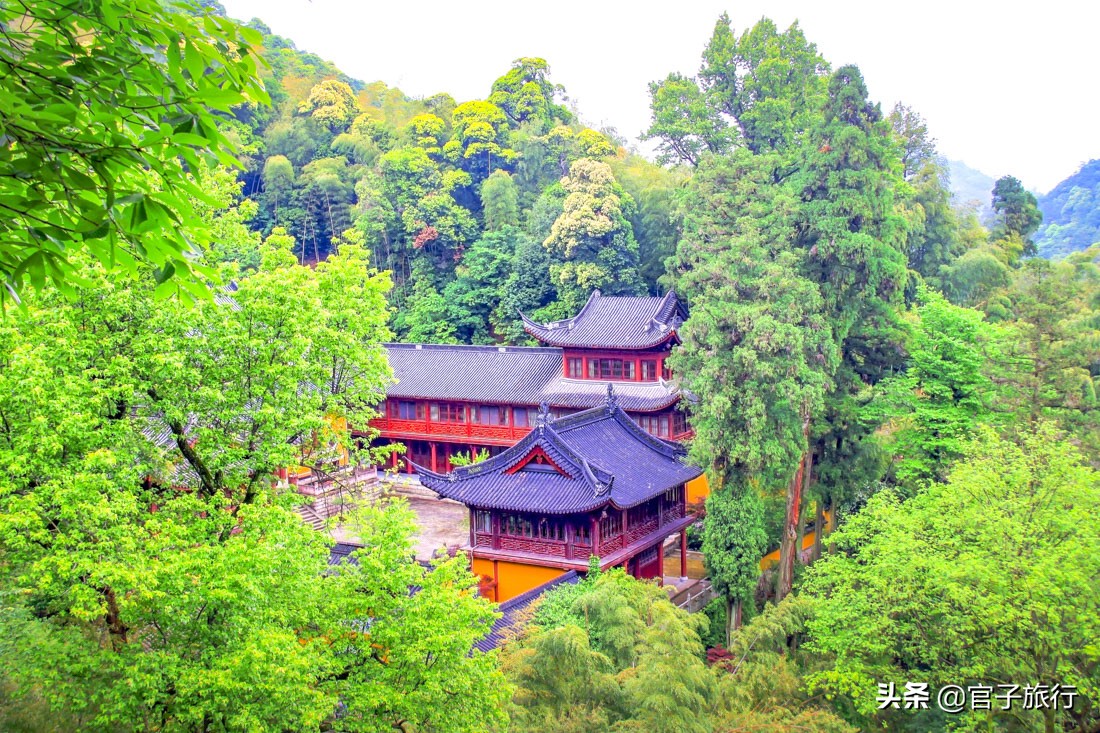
(697, 489)
(513, 578)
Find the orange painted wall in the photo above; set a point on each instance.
(772, 558)
(513, 578)
(697, 489)
(337, 425)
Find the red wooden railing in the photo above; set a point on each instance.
(427, 429)
(532, 545)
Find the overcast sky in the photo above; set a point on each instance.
(1009, 88)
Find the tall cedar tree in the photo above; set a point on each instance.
(757, 348)
(854, 238)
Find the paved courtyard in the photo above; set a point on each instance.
(441, 524)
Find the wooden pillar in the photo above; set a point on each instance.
(661, 563)
(683, 552)
(595, 535)
(393, 459)
(408, 463)
(434, 465)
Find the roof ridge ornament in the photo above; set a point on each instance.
(543, 418)
(612, 402)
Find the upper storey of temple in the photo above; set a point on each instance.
(579, 463)
(509, 375)
(614, 323)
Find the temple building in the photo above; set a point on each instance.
(592, 483)
(449, 399)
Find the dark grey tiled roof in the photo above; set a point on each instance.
(610, 461)
(508, 375)
(498, 374)
(341, 552)
(512, 607)
(614, 323)
(584, 393)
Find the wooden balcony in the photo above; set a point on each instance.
(456, 432)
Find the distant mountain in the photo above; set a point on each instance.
(969, 184)
(1071, 214)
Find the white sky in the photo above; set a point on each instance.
(1007, 87)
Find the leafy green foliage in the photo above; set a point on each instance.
(106, 109)
(944, 394)
(771, 84)
(987, 578)
(683, 122)
(592, 240)
(1049, 366)
(1015, 213)
(169, 583)
(467, 459)
(761, 685)
(610, 650)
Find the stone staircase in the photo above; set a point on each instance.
(329, 498)
(311, 517)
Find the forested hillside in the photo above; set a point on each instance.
(479, 208)
(971, 187)
(200, 276)
(1071, 213)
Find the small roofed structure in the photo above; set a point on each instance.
(614, 323)
(592, 483)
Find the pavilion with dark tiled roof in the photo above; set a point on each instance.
(590, 483)
(614, 323)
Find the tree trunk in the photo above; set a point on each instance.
(787, 549)
(819, 530)
(733, 618)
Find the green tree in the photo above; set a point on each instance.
(936, 238)
(562, 684)
(478, 144)
(734, 540)
(609, 653)
(525, 94)
(671, 690)
(760, 684)
(1049, 365)
(771, 84)
(425, 316)
(426, 131)
(93, 165)
(987, 578)
(527, 289)
(756, 349)
(945, 393)
(684, 123)
(332, 103)
(170, 584)
(854, 234)
(480, 281)
(592, 240)
(278, 179)
(1015, 214)
(499, 201)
